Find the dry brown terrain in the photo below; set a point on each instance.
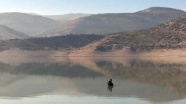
(16, 56)
(165, 40)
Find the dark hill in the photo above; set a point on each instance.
(50, 43)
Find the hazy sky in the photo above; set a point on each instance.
(85, 6)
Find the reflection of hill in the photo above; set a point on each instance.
(170, 76)
(19, 86)
(142, 79)
(52, 69)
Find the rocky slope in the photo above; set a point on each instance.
(170, 35)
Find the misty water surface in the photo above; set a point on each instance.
(84, 81)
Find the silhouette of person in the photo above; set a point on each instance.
(110, 83)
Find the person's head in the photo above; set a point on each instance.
(111, 80)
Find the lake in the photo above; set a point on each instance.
(84, 81)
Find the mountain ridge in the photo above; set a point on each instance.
(7, 33)
(169, 35)
(27, 23)
(67, 17)
(116, 22)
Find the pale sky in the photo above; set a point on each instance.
(55, 7)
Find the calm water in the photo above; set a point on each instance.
(84, 82)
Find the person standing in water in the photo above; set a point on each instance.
(110, 83)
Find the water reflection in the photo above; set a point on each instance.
(156, 82)
(109, 88)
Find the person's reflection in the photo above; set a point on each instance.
(109, 88)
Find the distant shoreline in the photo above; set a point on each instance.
(90, 53)
(16, 56)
